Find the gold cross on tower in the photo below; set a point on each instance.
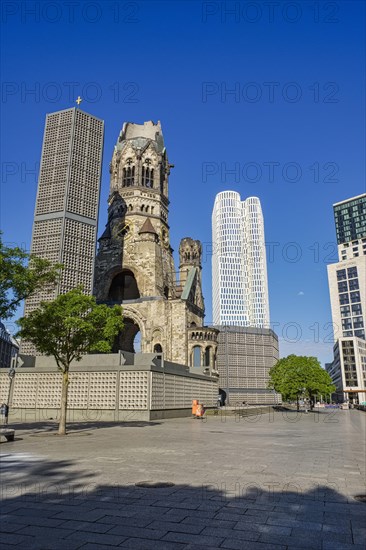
(79, 100)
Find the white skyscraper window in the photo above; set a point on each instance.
(239, 267)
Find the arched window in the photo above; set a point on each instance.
(128, 177)
(207, 356)
(196, 356)
(147, 174)
(123, 287)
(162, 179)
(158, 348)
(152, 210)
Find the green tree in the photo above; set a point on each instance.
(21, 275)
(69, 327)
(294, 376)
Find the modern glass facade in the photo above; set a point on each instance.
(239, 269)
(350, 219)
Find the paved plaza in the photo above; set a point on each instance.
(276, 482)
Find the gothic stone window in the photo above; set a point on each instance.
(196, 356)
(147, 174)
(128, 178)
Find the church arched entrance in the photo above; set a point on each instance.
(130, 337)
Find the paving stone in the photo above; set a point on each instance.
(25, 519)
(54, 544)
(198, 540)
(252, 520)
(138, 532)
(179, 505)
(134, 521)
(91, 515)
(176, 527)
(178, 515)
(243, 545)
(16, 538)
(95, 538)
(95, 527)
(322, 535)
(312, 526)
(230, 533)
(144, 544)
(291, 542)
(137, 510)
(228, 516)
(10, 527)
(333, 545)
(92, 546)
(334, 528)
(208, 522)
(45, 532)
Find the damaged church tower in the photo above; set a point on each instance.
(135, 266)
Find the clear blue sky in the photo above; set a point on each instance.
(299, 75)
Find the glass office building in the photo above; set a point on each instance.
(350, 223)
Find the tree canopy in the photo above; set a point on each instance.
(69, 327)
(294, 376)
(21, 275)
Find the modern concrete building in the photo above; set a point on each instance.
(347, 288)
(9, 347)
(244, 358)
(66, 212)
(348, 369)
(239, 268)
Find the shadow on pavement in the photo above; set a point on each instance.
(66, 511)
(51, 427)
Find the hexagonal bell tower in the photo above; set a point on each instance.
(202, 341)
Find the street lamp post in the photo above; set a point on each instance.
(11, 375)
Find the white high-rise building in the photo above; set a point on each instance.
(239, 267)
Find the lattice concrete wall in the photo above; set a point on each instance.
(120, 390)
(176, 392)
(87, 390)
(4, 387)
(133, 390)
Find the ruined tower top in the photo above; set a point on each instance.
(147, 130)
(190, 253)
(140, 161)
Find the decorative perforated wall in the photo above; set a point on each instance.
(88, 390)
(4, 387)
(176, 392)
(133, 390)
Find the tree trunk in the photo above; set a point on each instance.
(65, 389)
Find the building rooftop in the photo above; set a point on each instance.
(349, 200)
